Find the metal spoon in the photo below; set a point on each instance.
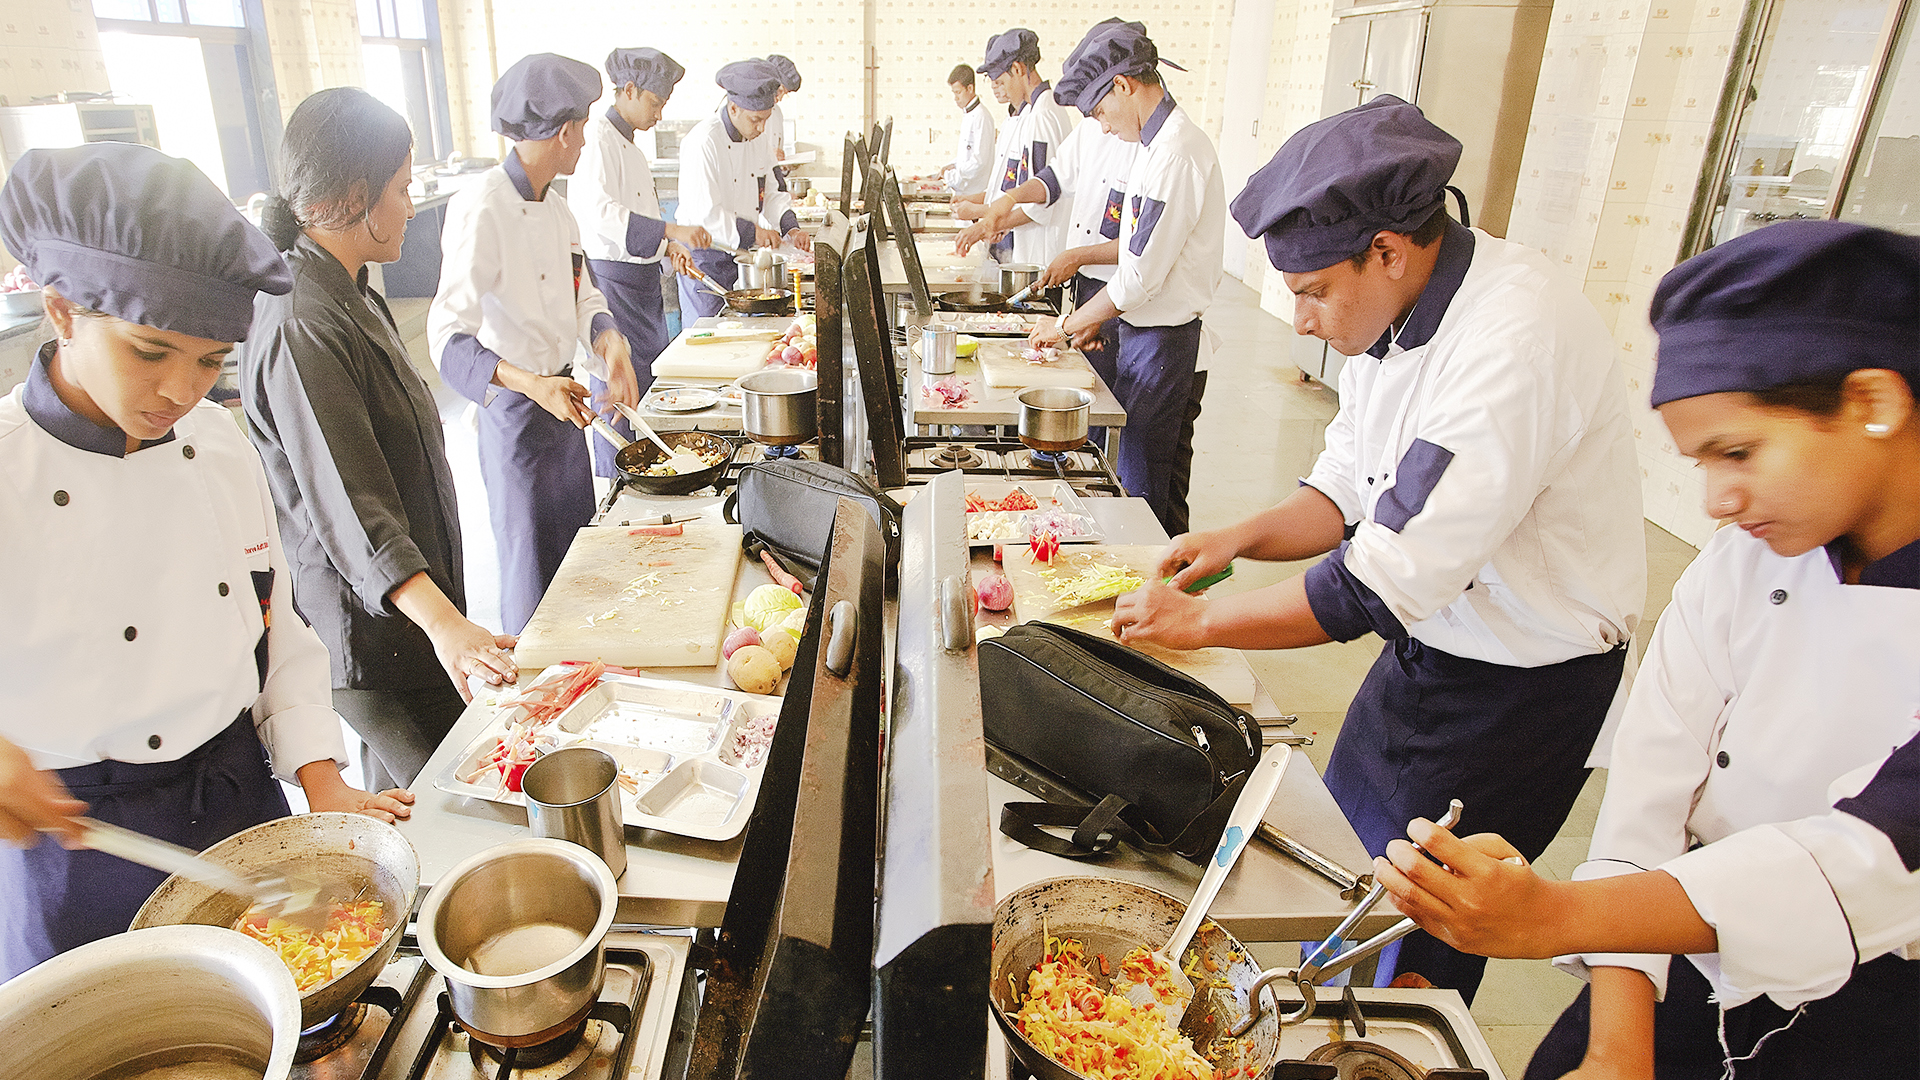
(291, 897)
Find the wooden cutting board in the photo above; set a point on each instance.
(637, 601)
(1224, 671)
(1002, 365)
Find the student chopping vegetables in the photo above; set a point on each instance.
(1756, 864)
(153, 663)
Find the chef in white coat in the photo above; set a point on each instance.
(514, 308)
(622, 230)
(152, 663)
(972, 164)
(721, 189)
(1756, 864)
(1479, 492)
(1034, 134)
(788, 73)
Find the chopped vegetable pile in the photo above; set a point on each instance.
(353, 930)
(1095, 582)
(528, 718)
(1068, 1016)
(949, 393)
(1018, 499)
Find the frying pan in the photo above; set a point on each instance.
(634, 458)
(972, 300)
(761, 301)
(352, 852)
(1113, 917)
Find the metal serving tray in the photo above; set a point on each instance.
(691, 756)
(1011, 526)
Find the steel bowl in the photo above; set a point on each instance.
(356, 856)
(1113, 917)
(518, 931)
(1017, 276)
(779, 406)
(200, 999)
(636, 457)
(1054, 418)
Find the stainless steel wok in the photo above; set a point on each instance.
(1112, 918)
(353, 854)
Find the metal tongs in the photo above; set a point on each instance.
(296, 899)
(1324, 964)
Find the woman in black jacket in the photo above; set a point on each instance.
(352, 443)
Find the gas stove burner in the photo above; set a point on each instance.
(556, 1058)
(776, 453)
(1358, 1060)
(956, 456)
(1048, 459)
(329, 1035)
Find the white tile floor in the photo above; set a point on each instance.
(1260, 431)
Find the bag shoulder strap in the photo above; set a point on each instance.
(1099, 829)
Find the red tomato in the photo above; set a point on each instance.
(514, 774)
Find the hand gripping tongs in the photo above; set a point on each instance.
(1327, 960)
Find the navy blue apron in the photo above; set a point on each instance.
(1512, 743)
(1153, 379)
(698, 302)
(1105, 359)
(1868, 1029)
(54, 899)
(633, 295)
(539, 493)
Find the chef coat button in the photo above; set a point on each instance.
(1778, 596)
(187, 451)
(132, 633)
(1369, 479)
(1721, 759)
(223, 589)
(153, 742)
(60, 498)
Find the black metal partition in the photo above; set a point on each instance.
(890, 219)
(829, 316)
(866, 320)
(791, 978)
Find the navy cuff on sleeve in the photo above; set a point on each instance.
(1053, 184)
(780, 178)
(468, 366)
(644, 235)
(789, 221)
(1889, 800)
(746, 231)
(1343, 604)
(601, 322)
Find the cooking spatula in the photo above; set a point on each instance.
(296, 899)
(683, 461)
(1262, 784)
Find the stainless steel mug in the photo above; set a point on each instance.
(574, 794)
(938, 342)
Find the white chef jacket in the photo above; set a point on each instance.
(1804, 684)
(1489, 473)
(509, 277)
(1087, 183)
(611, 187)
(1172, 230)
(973, 158)
(721, 177)
(1033, 141)
(131, 612)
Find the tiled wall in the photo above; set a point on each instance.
(1625, 103)
(1296, 78)
(47, 46)
(315, 44)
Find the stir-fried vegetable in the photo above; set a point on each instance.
(353, 930)
(1068, 1016)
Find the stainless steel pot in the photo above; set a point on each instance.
(518, 931)
(354, 855)
(798, 186)
(1017, 276)
(758, 279)
(1054, 418)
(208, 1001)
(779, 406)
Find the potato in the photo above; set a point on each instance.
(783, 647)
(753, 669)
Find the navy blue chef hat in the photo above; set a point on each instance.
(1338, 181)
(1112, 47)
(751, 84)
(1793, 302)
(649, 69)
(542, 93)
(1018, 44)
(785, 71)
(126, 230)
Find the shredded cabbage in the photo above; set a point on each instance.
(1070, 1018)
(1096, 582)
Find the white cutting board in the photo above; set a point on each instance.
(637, 601)
(1224, 671)
(1002, 365)
(720, 360)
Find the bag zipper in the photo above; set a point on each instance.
(1140, 685)
(1200, 736)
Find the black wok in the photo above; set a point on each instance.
(1113, 917)
(761, 301)
(972, 300)
(634, 458)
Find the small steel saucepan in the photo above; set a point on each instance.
(780, 406)
(1054, 418)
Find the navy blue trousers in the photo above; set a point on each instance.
(1153, 380)
(1869, 1029)
(698, 302)
(633, 295)
(539, 493)
(1511, 743)
(52, 899)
